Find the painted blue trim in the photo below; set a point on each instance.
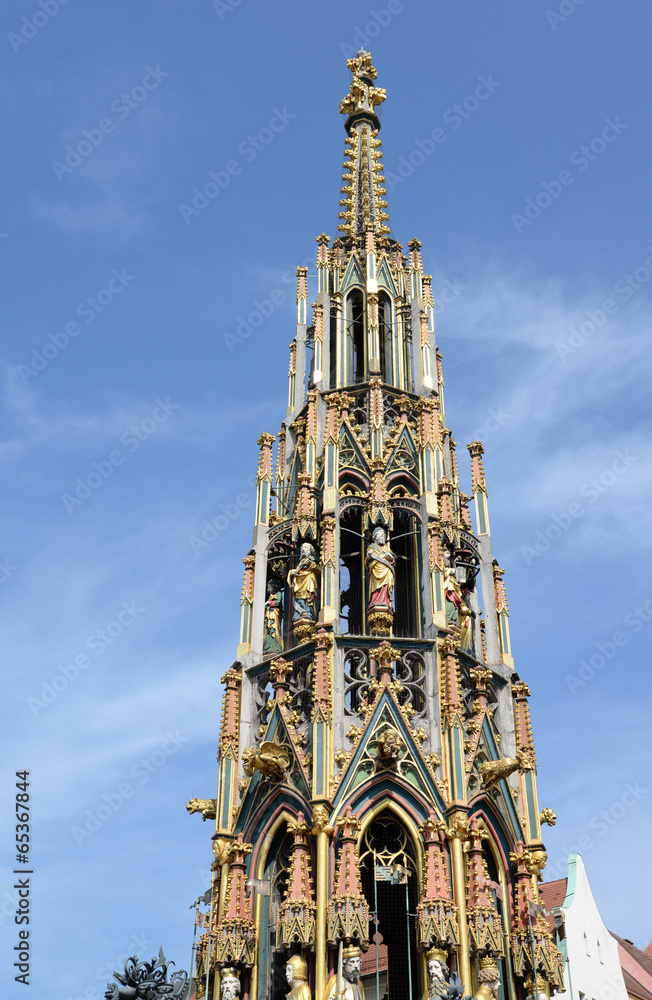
(387, 702)
(384, 278)
(572, 880)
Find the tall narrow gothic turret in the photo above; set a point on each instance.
(374, 690)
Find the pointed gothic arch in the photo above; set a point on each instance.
(268, 980)
(391, 862)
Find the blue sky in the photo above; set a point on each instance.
(546, 350)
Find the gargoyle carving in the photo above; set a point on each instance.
(493, 771)
(269, 758)
(390, 746)
(547, 816)
(206, 807)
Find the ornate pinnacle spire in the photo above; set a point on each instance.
(348, 912)
(296, 919)
(362, 194)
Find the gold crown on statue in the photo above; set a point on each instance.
(352, 951)
(229, 973)
(299, 966)
(488, 962)
(437, 955)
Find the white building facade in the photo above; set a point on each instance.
(592, 969)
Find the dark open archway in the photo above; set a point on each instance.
(392, 966)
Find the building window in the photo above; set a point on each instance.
(586, 946)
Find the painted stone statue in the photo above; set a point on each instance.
(230, 984)
(438, 973)
(304, 581)
(296, 973)
(351, 987)
(273, 642)
(457, 610)
(488, 980)
(380, 562)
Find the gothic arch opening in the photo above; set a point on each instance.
(385, 336)
(355, 330)
(272, 983)
(332, 348)
(391, 968)
(497, 894)
(352, 579)
(404, 542)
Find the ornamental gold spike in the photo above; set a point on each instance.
(363, 152)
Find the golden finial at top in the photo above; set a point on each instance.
(362, 95)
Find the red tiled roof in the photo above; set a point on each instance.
(553, 893)
(635, 989)
(636, 963)
(643, 958)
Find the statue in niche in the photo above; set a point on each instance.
(488, 980)
(229, 984)
(438, 973)
(304, 581)
(350, 986)
(296, 973)
(457, 609)
(380, 562)
(273, 618)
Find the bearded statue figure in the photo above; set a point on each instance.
(438, 973)
(488, 980)
(229, 984)
(350, 987)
